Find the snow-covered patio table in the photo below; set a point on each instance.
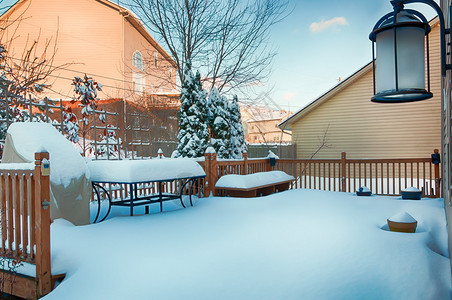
(139, 172)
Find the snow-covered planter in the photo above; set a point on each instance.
(402, 222)
(254, 185)
(411, 193)
(364, 191)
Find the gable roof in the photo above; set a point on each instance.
(128, 15)
(323, 98)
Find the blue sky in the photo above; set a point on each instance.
(320, 42)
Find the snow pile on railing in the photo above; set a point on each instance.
(17, 166)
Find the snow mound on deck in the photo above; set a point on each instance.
(252, 180)
(65, 162)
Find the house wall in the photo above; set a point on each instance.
(158, 76)
(446, 126)
(92, 36)
(266, 131)
(77, 38)
(350, 122)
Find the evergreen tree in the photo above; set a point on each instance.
(193, 136)
(237, 140)
(219, 123)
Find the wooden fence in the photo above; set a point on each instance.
(25, 228)
(382, 176)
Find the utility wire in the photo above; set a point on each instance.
(72, 70)
(91, 74)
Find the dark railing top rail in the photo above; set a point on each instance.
(361, 160)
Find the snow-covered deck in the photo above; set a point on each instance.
(298, 244)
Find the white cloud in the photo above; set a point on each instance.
(323, 25)
(289, 95)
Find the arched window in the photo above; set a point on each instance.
(138, 60)
(139, 82)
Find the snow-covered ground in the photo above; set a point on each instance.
(298, 244)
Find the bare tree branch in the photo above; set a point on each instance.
(226, 39)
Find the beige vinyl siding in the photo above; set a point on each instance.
(365, 129)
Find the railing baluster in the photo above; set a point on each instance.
(32, 215)
(393, 179)
(334, 172)
(359, 175)
(417, 167)
(412, 175)
(17, 209)
(3, 211)
(376, 178)
(24, 215)
(10, 220)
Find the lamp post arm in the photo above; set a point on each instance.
(442, 28)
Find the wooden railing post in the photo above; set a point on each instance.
(245, 163)
(213, 173)
(269, 167)
(208, 170)
(343, 171)
(436, 162)
(42, 224)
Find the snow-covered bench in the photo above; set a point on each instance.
(254, 185)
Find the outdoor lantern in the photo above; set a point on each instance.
(400, 43)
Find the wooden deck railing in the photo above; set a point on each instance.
(25, 227)
(382, 176)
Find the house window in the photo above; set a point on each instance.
(155, 58)
(137, 59)
(138, 82)
(170, 71)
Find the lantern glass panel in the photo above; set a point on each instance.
(385, 61)
(411, 57)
